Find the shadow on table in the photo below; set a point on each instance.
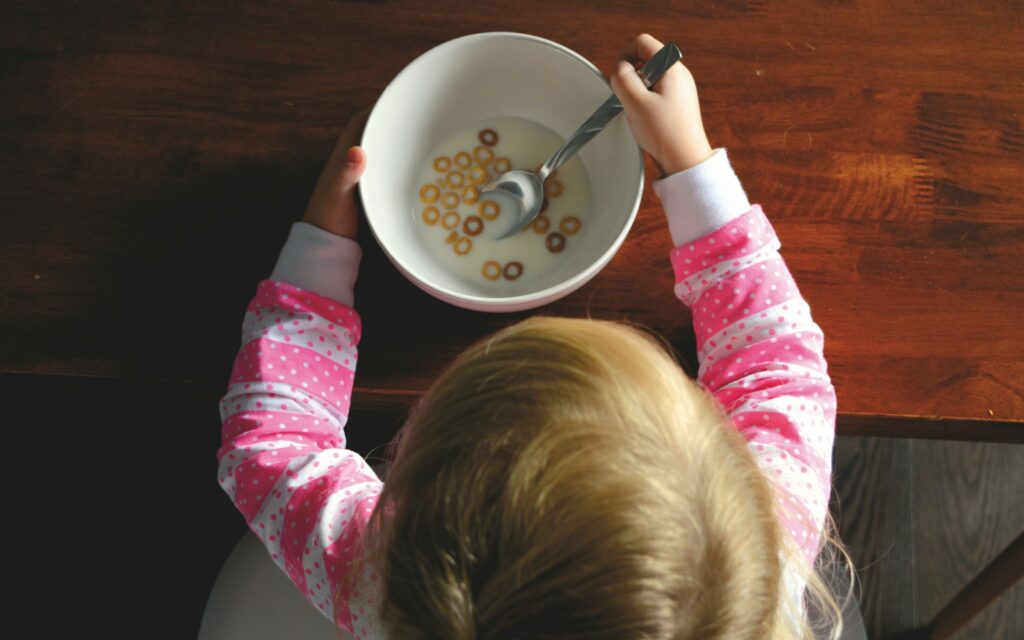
(179, 314)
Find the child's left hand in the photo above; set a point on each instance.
(332, 206)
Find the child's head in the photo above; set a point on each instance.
(564, 478)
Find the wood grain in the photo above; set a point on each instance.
(153, 155)
(965, 516)
(872, 505)
(921, 519)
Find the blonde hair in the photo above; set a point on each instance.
(565, 479)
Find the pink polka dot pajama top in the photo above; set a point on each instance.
(284, 462)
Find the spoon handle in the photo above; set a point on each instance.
(652, 72)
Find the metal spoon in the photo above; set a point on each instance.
(526, 189)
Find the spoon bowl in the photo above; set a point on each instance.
(525, 190)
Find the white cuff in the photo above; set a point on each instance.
(319, 261)
(702, 198)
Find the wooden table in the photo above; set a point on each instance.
(153, 156)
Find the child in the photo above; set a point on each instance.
(563, 478)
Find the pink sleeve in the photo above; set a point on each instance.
(283, 460)
(761, 356)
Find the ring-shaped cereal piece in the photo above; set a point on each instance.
(483, 155)
(477, 175)
(450, 200)
(442, 163)
(512, 270)
(472, 225)
(553, 188)
(431, 215)
(429, 193)
(450, 219)
(489, 209)
(541, 224)
(463, 160)
(470, 195)
(570, 225)
(555, 242)
(455, 179)
(501, 165)
(491, 270)
(463, 246)
(488, 137)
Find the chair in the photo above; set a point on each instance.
(253, 599)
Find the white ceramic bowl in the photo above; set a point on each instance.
(469, 79)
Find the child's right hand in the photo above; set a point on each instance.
(666, 120)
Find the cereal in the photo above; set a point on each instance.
(501, 165)
(489, 209)
(483, 155)
(491, 270)
(463, 160)
(451, 219)
(450, 200)
(454, 179)
(429, 193)
(555, 242)
(478, 175)
(570, 225)
(472, 226)
(470, 195)
(512, 270)
(431, 215)
(553, 188)
(463, 246)
(488, 137)
(442, 164)
(541, 224)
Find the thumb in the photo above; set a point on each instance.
(344, 170)
(628, 86)
(333, 203)
(352, 170)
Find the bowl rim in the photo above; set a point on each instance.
(522, 301)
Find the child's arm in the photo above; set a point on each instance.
(761, 354)
(283, 460)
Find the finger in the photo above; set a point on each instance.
(333, 203)
(355, 156)
(647, 45)
(347, 171)
(641, 48)
(644, 46)
(349, 137)
(628, 87)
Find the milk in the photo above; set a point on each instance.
(526, 145)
